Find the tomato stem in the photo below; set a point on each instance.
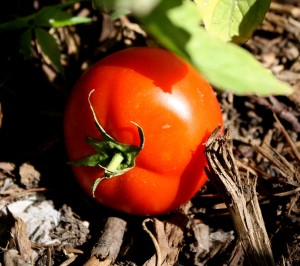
(115, 162)
(114, 157)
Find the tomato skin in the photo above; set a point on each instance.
(177, 110)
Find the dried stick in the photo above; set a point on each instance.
(285, 8)
(239, 193)
(108, 246)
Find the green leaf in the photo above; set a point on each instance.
(44, 16)
(232, 20)
(105, 6)
(41, 18)
(225, 65)
(95, 185)
(16, 24)
(56, 23)
(49, 47)
(159, 24)
(92, 160)
(138, 7)
(25, 43)
(119, 13)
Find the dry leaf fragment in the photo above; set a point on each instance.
(167, 238)
(208, 243)
(19, 248)
(13, 258)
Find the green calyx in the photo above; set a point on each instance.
(114, 157)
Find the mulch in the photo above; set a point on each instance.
(46, 217)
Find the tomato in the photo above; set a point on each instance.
(177, 111)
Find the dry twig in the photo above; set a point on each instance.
(285, 8)
(108, 246)
(239, 193)
(289, 170)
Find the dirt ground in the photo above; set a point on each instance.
(46, 217)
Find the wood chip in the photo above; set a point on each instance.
(30, 177)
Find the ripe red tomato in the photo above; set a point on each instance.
(177, 110)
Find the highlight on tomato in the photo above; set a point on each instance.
(135, 126)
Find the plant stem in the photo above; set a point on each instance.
(115, 162)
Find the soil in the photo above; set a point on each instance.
(45, 217)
